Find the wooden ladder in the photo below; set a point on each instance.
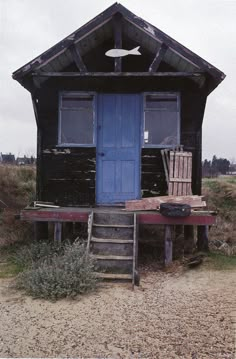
(112, 241)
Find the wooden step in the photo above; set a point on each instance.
(111, 240)
(113, 232)
(113, 225)
(113, 275)
(111, 217)
(112, 257)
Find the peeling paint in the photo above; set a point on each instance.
(71, 37)
(56, 151)
(150, 29)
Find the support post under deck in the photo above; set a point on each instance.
(169, 232)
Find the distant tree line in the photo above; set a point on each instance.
(217, 166)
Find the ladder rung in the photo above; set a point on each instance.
(113, 276)
(110, 240)
(111, 257)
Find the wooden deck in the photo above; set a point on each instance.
(58, 216)
(80, 214)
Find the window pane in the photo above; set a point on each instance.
(77, 126)
(158, 103)
(77, 102)
(160, 128)
(161, 120)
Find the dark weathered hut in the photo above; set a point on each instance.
(93, 112)
(102, 121)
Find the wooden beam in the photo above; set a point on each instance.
(118, 74)
(157, 218)
(169, 233)
(57, 232)
(77, 58)
(185, 53)
(202, 239)
(65, 214)
(117, 28)
(188, 239)
(41, 231)
(158, 58)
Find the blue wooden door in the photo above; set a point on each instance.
(118, 148)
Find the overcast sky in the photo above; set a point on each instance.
(28, 28)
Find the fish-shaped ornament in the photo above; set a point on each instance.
(122, 52)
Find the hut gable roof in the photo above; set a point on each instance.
(74, 48)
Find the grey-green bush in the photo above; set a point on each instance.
(32, 254)
(59, 276)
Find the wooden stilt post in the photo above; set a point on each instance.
(40, 231)
(68, 230)
(189, 239)
(168, 244)
(178, 239)
(202, 239)
(57, 232)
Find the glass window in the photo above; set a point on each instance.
(76, 120)
(161, 121)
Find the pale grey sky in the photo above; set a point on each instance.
(28, 28)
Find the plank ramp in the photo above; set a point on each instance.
(112, 241)
(153, 203)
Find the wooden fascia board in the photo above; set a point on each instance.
(118, 74)
(35, 107)
(170, 42)
(105, 16)
(63, 45)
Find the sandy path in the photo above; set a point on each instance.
(186, 315)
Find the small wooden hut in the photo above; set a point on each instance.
(102, 121)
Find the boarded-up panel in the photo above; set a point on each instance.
(180, 173)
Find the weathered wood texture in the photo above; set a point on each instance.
(158, 58)
(188, 239)
(153, 181)
(58, 232)
(180, 173)
(77, 58)
(40, 231)
(66, 214)
(202, 238)
(169, 236)
(153, 203)
(69, 179)
(117, 27)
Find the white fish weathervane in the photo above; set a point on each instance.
(122, 52)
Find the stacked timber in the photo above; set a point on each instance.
(153, 203)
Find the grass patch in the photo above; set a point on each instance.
(219, 261)
(8, 267)
(220, 194)
(17, 185)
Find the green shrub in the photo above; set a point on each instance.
(60, 275)
(33, 253)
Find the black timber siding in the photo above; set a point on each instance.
(70, 178)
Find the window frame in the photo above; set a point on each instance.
(64, 94)
(166, 95)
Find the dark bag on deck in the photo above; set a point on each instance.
(175, 210)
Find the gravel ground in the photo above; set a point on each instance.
(182, 315)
